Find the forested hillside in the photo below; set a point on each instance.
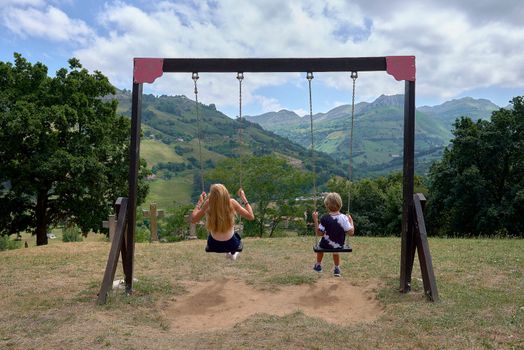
(378, 131)
(171, 144)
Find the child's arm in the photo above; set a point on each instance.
(351, 231)
(315, 220)
(246, 212)
(200, 209)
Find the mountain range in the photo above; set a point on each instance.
(172, 148)
(171, 145)
(377, 132)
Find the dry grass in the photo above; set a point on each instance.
(47, 297)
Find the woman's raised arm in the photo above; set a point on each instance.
(247, 210)
(200, 209)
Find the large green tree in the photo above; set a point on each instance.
(478, 186)
(271, 185)
(64, 152)
(376, 204)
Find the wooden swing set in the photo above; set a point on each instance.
(402, 68)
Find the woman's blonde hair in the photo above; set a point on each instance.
(333, 201)
(220, 216)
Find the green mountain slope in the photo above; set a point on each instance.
(467, 106)
(378, 131)
(171, 145)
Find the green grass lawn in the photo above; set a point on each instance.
(178, 189)
(166, 192)
(31, 240)
(155, 152)
(48, 294)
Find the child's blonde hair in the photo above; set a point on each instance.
(333, 201)
(220, 216)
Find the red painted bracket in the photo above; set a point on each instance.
(401, 67)
(146, 70)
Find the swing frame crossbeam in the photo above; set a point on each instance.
(275, 65)
(402, 68)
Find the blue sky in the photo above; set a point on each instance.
(463, 48)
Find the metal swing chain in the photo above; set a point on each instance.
(195, 78)
(354, 76)
(240, 77)
(309, 77)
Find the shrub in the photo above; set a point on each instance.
(142, 234)
(177, 226)
(251, 228)
(201, 232)
(71, 233)
(7, 244)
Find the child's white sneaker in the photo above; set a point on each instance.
(336, 272)
(232, 256)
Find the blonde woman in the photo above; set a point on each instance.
(220, 209)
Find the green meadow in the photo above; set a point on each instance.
(48, 297)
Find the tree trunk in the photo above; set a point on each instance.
(261, 233)
(274, 225)
(41, 218)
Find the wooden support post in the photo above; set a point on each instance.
(134, 164)
(153, 214)
(424, 255)
(123, 245)
(192, 227)
(407, 244)
(240, 228)
(110, 223)
(192, 231)
(116, 248)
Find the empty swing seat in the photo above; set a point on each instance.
(239, 249)
(345, 249)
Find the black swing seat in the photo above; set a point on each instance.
(239, 249)
(345, 249)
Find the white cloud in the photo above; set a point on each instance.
(454, 53)
(459, 45)
(268, 104)
(225, 29)
(22, 2)
(301, 112)
(51, 23)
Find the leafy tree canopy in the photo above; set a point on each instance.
(478, 186)
(271, 185)
(64, 151)
(375, 204)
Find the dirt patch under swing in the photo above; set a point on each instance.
(221, 304)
